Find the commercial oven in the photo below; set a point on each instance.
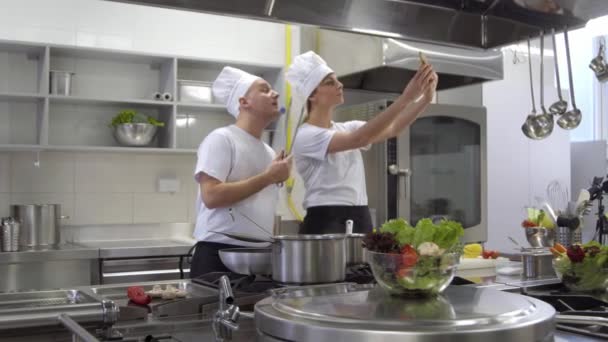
(435, 168)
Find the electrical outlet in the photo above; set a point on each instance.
(168, 184)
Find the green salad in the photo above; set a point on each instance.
(416, 258)
(584, 267)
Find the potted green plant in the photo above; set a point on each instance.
(131, 128)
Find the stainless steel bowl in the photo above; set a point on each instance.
(540, 237)
(247, 260)
(135, 134)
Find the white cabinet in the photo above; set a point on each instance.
(104, 82)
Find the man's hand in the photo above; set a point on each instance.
(280, 168)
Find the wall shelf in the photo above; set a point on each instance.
(20, 96)
(108, 149)
(106, 101)
(104, 82)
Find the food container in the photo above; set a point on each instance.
(10, 234)
(40, 224)
(61, 82)
(537, 263)
(194, 91)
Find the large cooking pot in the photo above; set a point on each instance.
(355, 252)
(300, 259)
(309, 259)
(40, 224)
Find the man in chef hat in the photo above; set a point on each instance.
(236, 171)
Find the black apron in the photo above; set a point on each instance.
(206, 258)
(329, 219)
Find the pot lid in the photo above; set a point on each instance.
(311, 237)
(348, 312)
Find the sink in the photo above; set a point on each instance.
(43, 299)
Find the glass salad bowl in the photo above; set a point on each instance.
(584, 276)
(428, 276)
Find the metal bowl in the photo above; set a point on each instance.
(247, 260)
(540, 237)
(135, 134)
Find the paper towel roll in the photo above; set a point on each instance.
(167, 97)
(157, 96)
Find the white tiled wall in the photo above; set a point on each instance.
(100, 188)
(107, 24)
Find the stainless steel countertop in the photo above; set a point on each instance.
(99, 249)
(61, 252)
(138, 248)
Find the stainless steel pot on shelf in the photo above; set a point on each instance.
(40, 224)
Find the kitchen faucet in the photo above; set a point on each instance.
(225, 320)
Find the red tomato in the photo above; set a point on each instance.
(409, 257)
(135, 291)
(495, 254)
(142, 300)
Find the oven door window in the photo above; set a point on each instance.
(446, 170)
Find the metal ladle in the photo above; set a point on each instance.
(545, 119)
(534, 128)
(560, 107)
(572, 118)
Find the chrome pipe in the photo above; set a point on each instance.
(79, 333)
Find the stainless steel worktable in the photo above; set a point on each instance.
(61, 252)
(138, 248)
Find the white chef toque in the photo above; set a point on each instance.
(230, 85)
(306, 72)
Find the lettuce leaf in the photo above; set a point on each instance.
(445, 234)
(425, 232)
(448, 234)
(404, 233)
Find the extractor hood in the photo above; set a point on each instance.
(473, 23)
(386, 64)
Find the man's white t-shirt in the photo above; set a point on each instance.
(330, 179)
(231, 154)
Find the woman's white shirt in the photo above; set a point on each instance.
(334, 178)
(231, 154)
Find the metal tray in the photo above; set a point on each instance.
(197, 295)
(9, 302)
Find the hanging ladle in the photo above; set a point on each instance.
(560, 107)
(535, 126)
(545, 119)
(572, 118)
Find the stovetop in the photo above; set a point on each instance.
(251, 284)
(567, 302)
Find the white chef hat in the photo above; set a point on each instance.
(230, 85)
(306, 72)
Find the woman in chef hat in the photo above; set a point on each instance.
(236, 171)
(327, 153)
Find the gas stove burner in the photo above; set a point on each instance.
(571, 303)
(238, 282)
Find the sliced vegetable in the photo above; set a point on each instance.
(559, 247)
